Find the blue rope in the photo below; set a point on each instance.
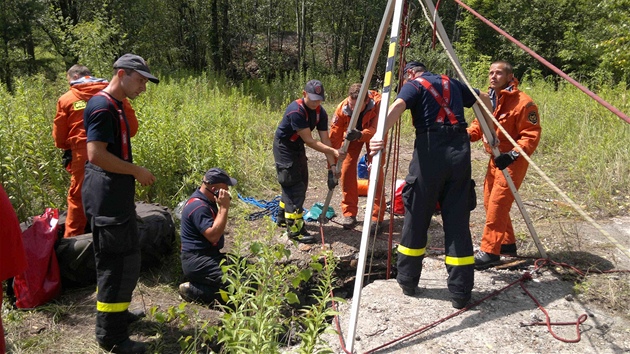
(270, 207)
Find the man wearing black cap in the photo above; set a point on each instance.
(300, 118)
(108, 199)
(204, 218)
(439, 172)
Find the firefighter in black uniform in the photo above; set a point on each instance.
(439, 171)
(204, 218)
(300, 118)
(108, 199)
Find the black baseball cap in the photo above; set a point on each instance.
(216, 175)
(315, 90)
(413, 64)
(135, 62)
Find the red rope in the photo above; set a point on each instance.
(539, 263)
(601, 101)
(548, 322)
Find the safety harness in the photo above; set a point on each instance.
(123, 125)
(443, 101)
(300, 103)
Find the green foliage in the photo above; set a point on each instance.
(614, 38)
(580, 147)
(265, 306)
(589, 41)
(30, 165)
(96, 42)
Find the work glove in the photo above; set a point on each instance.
(354, 135)
(66, 158)
(332, 181)
(504, 160)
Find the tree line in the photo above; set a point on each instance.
(262, 39)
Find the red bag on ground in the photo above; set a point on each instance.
(41, 281)
(399, 207)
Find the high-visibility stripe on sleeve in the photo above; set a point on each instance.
(281, 204)
(411, 252)
(459, 261)
(116, 307)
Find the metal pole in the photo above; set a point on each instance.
(375, 172)
(489, 133)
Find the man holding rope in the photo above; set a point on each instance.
(439, 172)
(518, 115)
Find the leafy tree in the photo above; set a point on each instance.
(613, 31)
(556, 30)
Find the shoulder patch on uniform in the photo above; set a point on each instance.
(532, 117)
(335, 119)
(79, 105)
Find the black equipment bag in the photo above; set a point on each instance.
(156, 231)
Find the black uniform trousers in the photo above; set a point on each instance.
(439, 172)
(292, 169)
(108, 200)
(203, 272)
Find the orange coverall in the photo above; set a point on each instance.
(338, 129)
(518, 115)
(69, 133)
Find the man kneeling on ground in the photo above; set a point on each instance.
(204, 218)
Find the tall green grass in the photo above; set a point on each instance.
(584, 147)
(191, 123)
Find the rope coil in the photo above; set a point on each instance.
(270, 207)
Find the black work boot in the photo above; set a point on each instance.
(135, 315)
(127, 346)
(281, 221)
(349, 222)
(376, 227)
(485, 260)
(509, 249)
(409, 288)
(460, 302)
(296, 231)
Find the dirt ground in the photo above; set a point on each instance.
(494, 324)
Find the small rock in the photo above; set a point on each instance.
(569, 297)
(304, 247)
(535, 317)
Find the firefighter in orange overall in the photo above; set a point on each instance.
(359, 135)
(69, 134)
(518, 115)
